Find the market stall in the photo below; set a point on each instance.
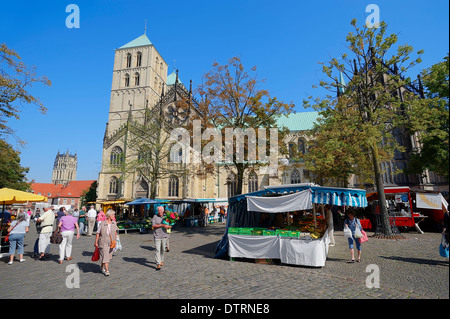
(298, 237)
(10, 196)
(138, 217)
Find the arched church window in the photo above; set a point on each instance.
(116, 156)
(129, 60)
(113, 185)
(127, 80)
(252, 182)
(136, 79)
(232, 184)
(173, 186)
(295, 177)
(138, 59)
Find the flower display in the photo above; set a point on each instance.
(170, 218)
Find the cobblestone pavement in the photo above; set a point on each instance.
(409, 268)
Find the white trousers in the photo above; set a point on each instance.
(65, 248)
(44, 243)
(160, 248)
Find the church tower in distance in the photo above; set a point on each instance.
(64, 168)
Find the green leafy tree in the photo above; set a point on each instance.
(12, 174)
(432, 124)
(372, 105)
(231, 99)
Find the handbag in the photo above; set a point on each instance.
(364, 238)
(56, 238)
(443, 247)
(113, 242)
(96, 255)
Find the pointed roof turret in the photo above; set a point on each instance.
(143, 40)
(342, 84)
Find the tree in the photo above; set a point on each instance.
(12, 174)
(89, 195)
(230, 99)
(374, 101)
(430, 121)
(15, 79)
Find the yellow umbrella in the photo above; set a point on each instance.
(10, 196)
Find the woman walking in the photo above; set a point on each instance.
(67, 224)
(352, 222)
(17, 231)
(105, 239)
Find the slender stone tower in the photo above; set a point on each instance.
(64, 168)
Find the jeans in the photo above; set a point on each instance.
(350, 243)
(81, 224)
(16, 239)
(160, 248)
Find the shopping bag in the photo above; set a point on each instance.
(358, 233)
(118, 244)
(96, 255)
(443, 247)
(347, 232)
(364, 238)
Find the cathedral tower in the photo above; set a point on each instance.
(64, 168)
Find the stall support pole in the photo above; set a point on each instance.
(314, 214)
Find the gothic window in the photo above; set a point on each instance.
(301, 146)
(292, 151)
(127, 80)
(129, 60)
(173, 186)
(136, 79)
(161, 68)
(295, 177)
(113, 185)
(116, 156)
(138, 59)
(232, 184)
(252, 182)
(176, 155)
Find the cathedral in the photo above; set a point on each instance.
(141, 85)
(142, 93)
(64, 168)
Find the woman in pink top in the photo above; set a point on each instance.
(100, 217)
(67, 225)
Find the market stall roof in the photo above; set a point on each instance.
(11, 196)
(319, 195)
(280, 204)
(142, 201)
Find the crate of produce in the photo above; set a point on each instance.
(245, 231)
(283, 233)
(233, 230)
(257, 231)
(269, 232)
(294, 233)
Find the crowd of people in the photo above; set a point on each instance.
(75, 223)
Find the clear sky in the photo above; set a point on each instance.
(284, 39)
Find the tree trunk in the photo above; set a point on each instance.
(386, 225)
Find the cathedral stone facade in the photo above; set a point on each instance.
(141, 90)
(64, 168)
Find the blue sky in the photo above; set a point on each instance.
(284, 39)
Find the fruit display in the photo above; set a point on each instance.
(304, 228)
(135, 224)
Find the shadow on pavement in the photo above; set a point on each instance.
(420, 261)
